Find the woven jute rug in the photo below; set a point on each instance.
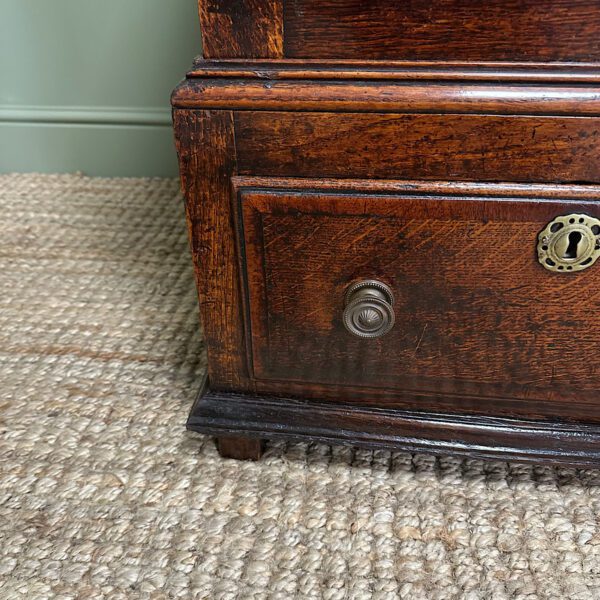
(103, 494)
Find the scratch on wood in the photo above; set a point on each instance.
(421, 338)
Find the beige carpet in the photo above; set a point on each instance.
(104, 495)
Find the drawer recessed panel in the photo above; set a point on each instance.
(475, 313)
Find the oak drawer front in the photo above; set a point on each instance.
(419, 146)
(476, 314)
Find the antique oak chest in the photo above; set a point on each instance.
(394, 216)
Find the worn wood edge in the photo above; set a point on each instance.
(252, 30)
(233, 414)
(395, 70)
(386, 96)
(407, 187)
(206, 149)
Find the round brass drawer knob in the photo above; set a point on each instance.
(368, 311)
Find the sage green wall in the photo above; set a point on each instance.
(85, 84)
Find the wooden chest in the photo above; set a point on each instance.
(394, 219)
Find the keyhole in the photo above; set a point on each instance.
(574, 239)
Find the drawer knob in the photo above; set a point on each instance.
(368, 311)
(569, 243)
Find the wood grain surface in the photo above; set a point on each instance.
(476, 313)
(364, 70)
(385, 96)
(560, 30)
(424, 144)
(405, 146)
(205, 147)
(256, 416)
(242, 28)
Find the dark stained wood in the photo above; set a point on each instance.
(407, 186)
(206, 153)
(361, 70)
(222, 413)
(241, 448)
(520, 30)
(404, 146)
(242, 28)
(476, 314)
(405, 97)
(422, 143)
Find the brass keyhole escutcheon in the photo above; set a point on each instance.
(569, 243)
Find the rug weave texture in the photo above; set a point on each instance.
(103, 494)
